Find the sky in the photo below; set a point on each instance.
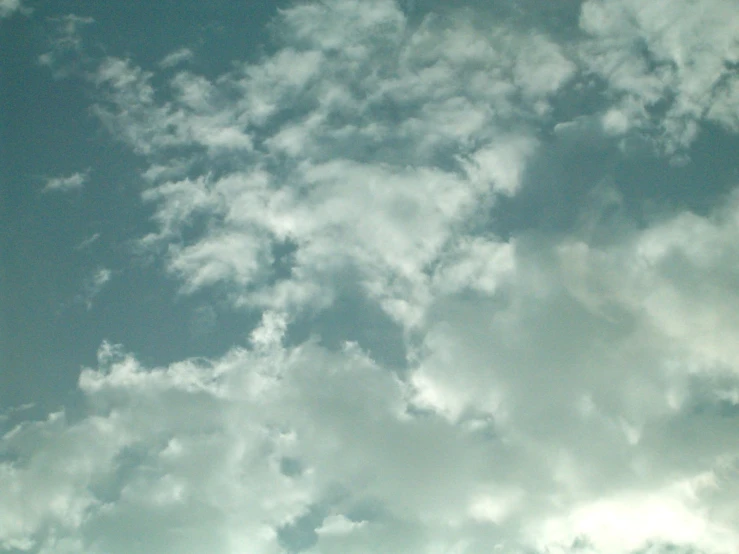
(369, 276)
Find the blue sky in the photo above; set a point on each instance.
(369, 276)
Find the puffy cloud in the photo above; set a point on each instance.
(554, 411)
(615, 363)
(52, 466)
(335, 416)
(562, 397)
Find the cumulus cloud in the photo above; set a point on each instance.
(604, 372)
(558, 393)
(488, 440)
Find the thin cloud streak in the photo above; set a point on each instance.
(73, 182)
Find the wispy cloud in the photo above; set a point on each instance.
(419, 139)
(176, 58)
(89, 241)
(9, 7)
(65, 42)
(76, 181)
(94, 284)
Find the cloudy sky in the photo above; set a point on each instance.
(369, 276)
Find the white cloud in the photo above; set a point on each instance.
(162, 426)
(502, 163)
(388, 150)
(627, 522)
(66, 184)
(339, 525)
(484, 444)
(176, 58)
(89, 241)
(65, 40)
(9, 7)
(677, 273)
(57, 464)
(558, 395)
(617, 389)
(477, 264)
(658, 58)
(542, 67)
(94, 284)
